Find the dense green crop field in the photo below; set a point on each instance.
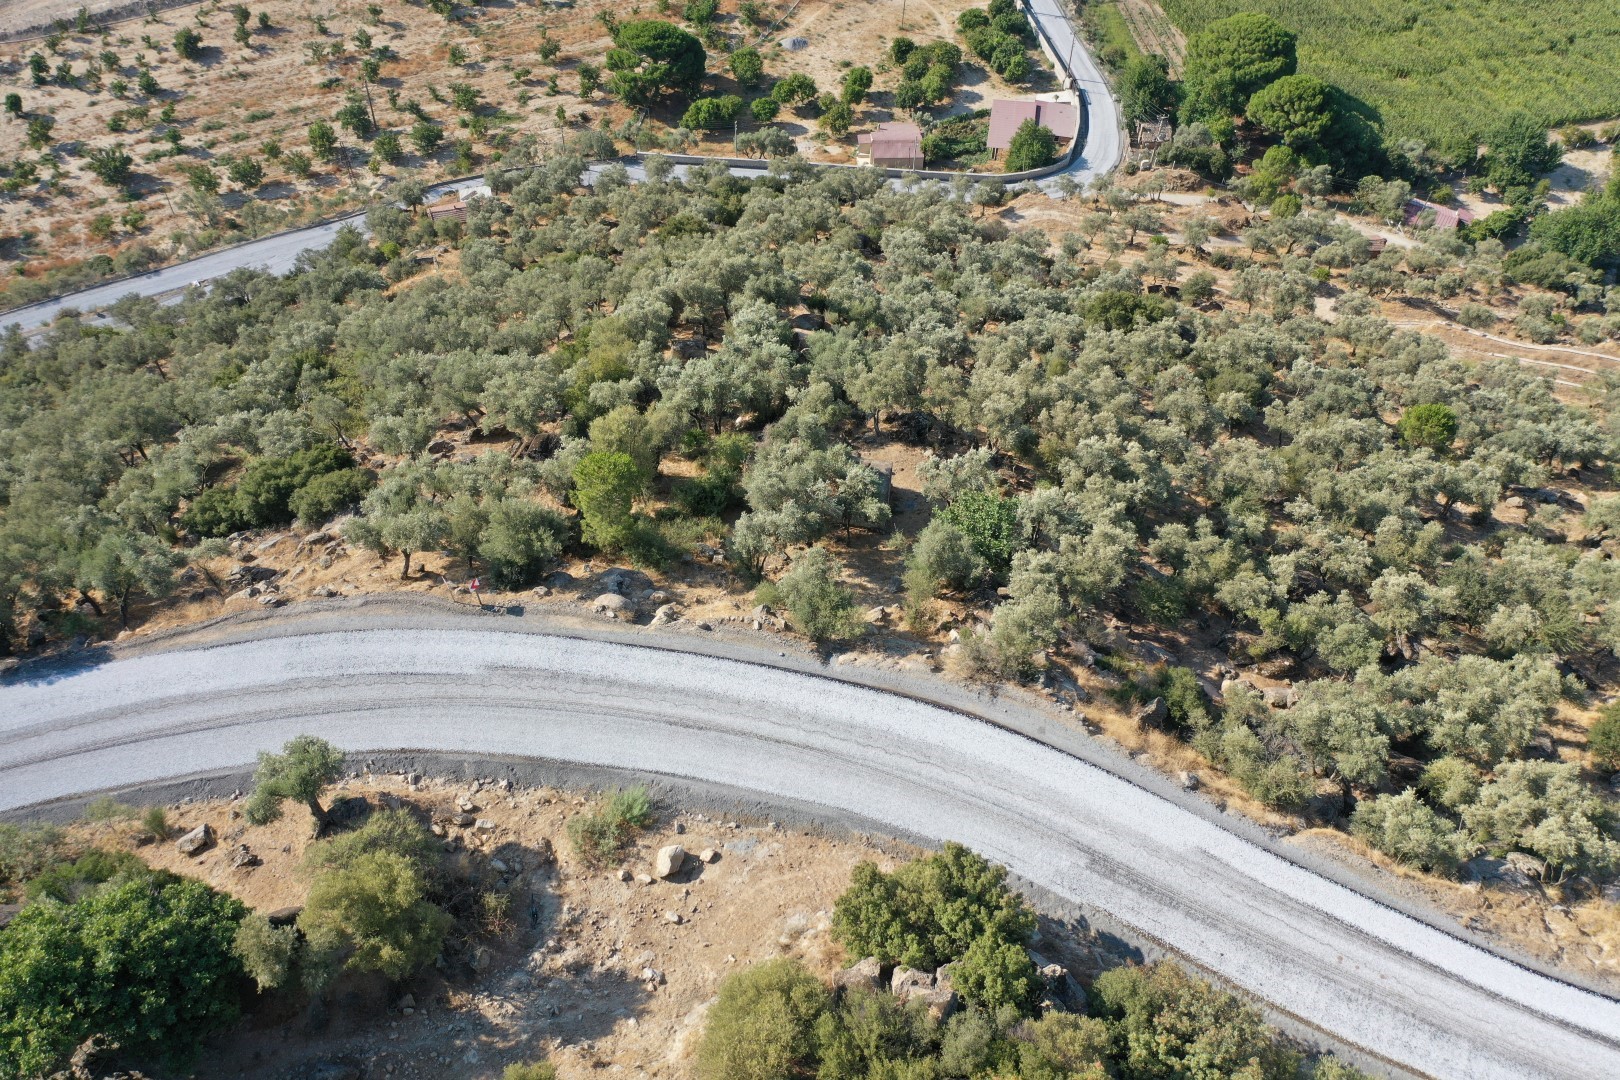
(1436, 67)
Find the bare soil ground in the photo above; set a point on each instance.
(234, 100)
(592, 970)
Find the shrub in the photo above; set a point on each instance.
(1032, 146)
(267, 952)
(1406, 829)
(1166, 1023)
(930, 911)
(216, 511)
(818, 604)
(187, 43)
(533, 1070)
(26, 851)
(329, 494)
(762, 1027)
(144, 963)
(746, 66)
(599, 837)
(990, 523)
(374, 914)
(268, 484)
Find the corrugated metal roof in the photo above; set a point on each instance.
(1006, 117)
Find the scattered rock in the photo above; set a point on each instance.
(1189, 780)
(484, 825)
(644, 879)
(330, 1070)
(462, 821)
(243, 859)
(1153, 714)
(1230, 686)
(673, 917)
(1542, 747)
(1280, 697)
(624, 875)
(708, 855)
(865, 975)
(1528, 865)
(666, 614)
(325, 591)
(669, 861)
(285, 916)
(408, 1001)
(9, 664)
(1513, 502)
(196, 841)
(652, 975)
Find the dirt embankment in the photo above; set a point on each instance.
(597, 967)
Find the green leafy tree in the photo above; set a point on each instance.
(651, 57)
(711, 112)
(1166, 1023)
(1232, 58)
(144, 963)
(762, 1025)
(930, 911)
(1145, 88)
(1518, 153)
(323, 497)
(764, 109)
(14, 104)
(400, 517)
(1032, 146)
(857, 81)
(306, 766)
(1431, 426)
(111, 164)
(369, 907)
(1604, 739)
(426, 136)
(605, 486)
(990, 524)
(795, 89)
(187, 43)
(322, 141)
(1545, 808)
(519, 539)
(836, 119)
(590, 79)
(1297, 109)
(747, 66)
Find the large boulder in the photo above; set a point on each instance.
(1154, 714)
(612, 604)
(196, 841)
(866, 975)
(907, 983)
(1280, 697)
(669, 861)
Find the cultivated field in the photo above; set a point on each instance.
(1434, 68)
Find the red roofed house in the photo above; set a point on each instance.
(1444, 216)
(1061, 118)
(892, 146)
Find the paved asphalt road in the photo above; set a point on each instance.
(1327, 955)
(279, 253)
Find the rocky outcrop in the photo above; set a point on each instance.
(196, 841)
(866, 975)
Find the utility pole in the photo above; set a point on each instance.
(369, 110)
(902, 15)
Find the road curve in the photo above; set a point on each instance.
(1329, 956)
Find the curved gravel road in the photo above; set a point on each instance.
(1327, 955)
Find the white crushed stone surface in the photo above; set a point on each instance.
(1329, 956)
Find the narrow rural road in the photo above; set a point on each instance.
(1325, 954)
(279, 253)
